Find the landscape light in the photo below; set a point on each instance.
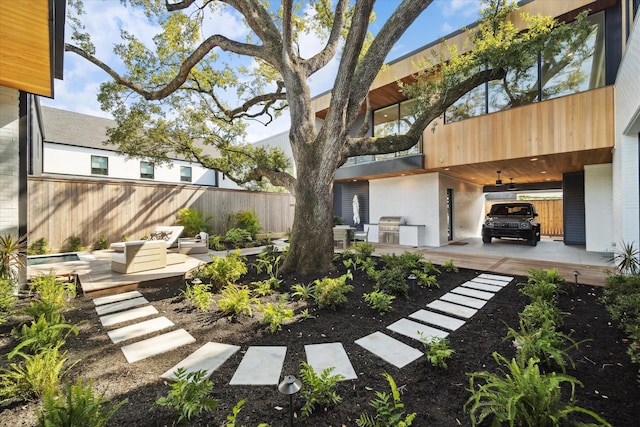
(289, 386)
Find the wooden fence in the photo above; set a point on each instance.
(549, 215)
(59, 208)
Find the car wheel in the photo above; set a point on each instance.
(486, 239)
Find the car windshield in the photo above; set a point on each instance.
(504, 210)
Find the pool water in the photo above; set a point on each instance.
(52, 259)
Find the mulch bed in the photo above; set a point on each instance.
(610, 387)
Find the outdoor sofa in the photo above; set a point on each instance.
(166, 234)
(140, 256)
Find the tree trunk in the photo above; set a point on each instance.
(311, 249)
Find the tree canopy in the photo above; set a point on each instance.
(177, 96)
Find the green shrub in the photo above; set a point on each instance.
(621, 297)
(262, 288)
(199, 295)
(194, 221)
(268, 261)
(78, 406)
(189, 395)
(7, 299)
(318, 389)
(541, 312)
(545, 344)
(236, 300)
(522, 396)
(545, 275)
(449, 267)
(393, 281)
(247, 220)
(426, 280)
(546, 291)
(222, 271)
(102, 243)
(52, 299)
(38, 247)
(12, 249)
(303, 291)
(407, 261)
(35, 376)
(437, 351)
(275, 315)
(43, 333)
(380, 301)
(215, 243)
(389, 409)
(429, 268)
(332, 292)
(363, 250)
(74, 243)
(238, 237)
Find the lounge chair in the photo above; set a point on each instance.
(140, 256)
(168, 234)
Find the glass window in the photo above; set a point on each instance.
(185, 173)
(471, 104)
(575, 66)
(516, 89)
(146, 170)
(99, 165)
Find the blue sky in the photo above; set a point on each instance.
(104, 19)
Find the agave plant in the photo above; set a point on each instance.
(627, 258)
(12, 259)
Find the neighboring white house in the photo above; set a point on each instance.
(73, 146)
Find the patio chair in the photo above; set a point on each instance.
(361, 235)
(140, 256)
(194, 245)
(168, 234)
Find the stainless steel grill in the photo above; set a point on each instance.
(389, 229)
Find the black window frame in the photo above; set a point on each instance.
(185, 178)
(100, 171)
(147, 175)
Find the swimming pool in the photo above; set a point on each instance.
(52, 258)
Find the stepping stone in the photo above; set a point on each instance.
(260, 366)
(389, 349)
(330, 355)
(482, 286)
(209, 357)
(496, 277)
(437, 319)
(119, 306)
(473, 293)
(126, 316)
(156, 345)
(117, 297)
(500, 283)
(417, 331)
(455, 309)
(462, 300)
(139, 329)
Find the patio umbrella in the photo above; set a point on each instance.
(356, 210)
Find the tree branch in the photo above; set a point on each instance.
(323, 57)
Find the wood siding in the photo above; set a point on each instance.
(573, 123)
(550, 215)
(59, 208)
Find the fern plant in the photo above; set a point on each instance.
(426, 280)
(236, 300)
(194, 221)
(7, 299)
(222, 271)
(35, 376)
(189, 395)
(380, 301)
(449, 267)
(199, 295)
(247, 220)
(238, 237)
(389, 409)
(275, 315)
(43, 333)
(393, 281)
(318, 389)
(77, 406)
(521, 395)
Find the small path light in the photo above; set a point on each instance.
(413, 280)
(196, 281)
(289, 386)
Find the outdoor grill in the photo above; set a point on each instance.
(389, 229)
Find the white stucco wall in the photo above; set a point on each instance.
(9, 148)
(468, 209)
(598, 186)
(76, 161)
(625, 156)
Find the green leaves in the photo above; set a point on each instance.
(318, 389)
(189, 395)
(389, 409)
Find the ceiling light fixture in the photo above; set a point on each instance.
(498, 181)
(512, 186)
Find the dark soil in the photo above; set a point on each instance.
(610, 387)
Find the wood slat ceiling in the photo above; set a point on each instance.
(25, 53)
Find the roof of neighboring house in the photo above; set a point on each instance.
(82, 130)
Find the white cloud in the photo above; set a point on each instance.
(464, 8)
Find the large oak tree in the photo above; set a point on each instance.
(174, 96)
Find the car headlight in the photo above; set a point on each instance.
(489, 223)
(525, 225)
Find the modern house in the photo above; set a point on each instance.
(73, 146)
(579, 140)
(31, 52)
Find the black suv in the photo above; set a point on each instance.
(516, 220)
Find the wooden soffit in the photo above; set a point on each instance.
(26, 39)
